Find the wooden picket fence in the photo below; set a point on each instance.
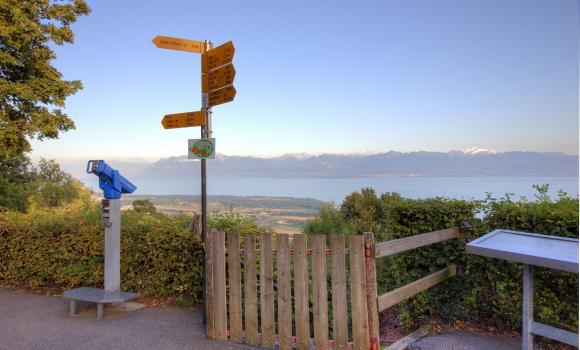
(253, 319)
(242, 289)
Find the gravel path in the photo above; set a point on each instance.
(29, 321)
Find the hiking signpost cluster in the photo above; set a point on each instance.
(217, 78)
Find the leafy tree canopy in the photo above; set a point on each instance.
(32, 91)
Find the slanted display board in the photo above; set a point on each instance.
(553, 252)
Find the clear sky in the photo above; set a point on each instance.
(327, 76)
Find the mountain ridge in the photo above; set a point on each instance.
(421, 163)
(471, 163)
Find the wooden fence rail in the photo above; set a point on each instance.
(407, 291)
(414, 242)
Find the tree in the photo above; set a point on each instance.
(328, 222)
(144, 206)
(16, 178)
(53, 187)
(32, 92)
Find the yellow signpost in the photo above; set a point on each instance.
(184, 120)
(165, 42)
(219, 78)
(217, 57)
(217, 97)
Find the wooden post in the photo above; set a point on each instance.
(235, 287)
(339, 303)
(319, 292)
(208, 292)
(220, 317)
(301, 292)
(250, 293)
(360, 320)
(371, 291)
(267, 292)
(284, 292)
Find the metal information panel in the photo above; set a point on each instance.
(531, 249)
(553, 252)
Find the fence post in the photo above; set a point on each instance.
(208, 291)
(360, 324)
(219, 285)
(371, 291)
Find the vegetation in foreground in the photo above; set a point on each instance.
(487, 292)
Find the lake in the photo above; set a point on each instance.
(337, 189)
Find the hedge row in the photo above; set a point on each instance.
(64, 249)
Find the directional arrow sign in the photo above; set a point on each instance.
(184, 120)
(217, 57)
(217, 79)
(217, 97)
(165, 42)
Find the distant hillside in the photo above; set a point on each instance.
(377, 165)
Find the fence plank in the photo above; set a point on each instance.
(284, 292)
(301, 292)
(417, 241)
(320, 292)
(250, 297)
(208, 293)
(371, 291)
(234, 277)
(339, 304)
(396, 296)
(360, 328)
(219, 284)
(267, 292)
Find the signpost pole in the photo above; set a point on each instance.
(205, 134)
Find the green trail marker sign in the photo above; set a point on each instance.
(201, 149)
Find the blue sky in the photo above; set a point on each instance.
(327, 76)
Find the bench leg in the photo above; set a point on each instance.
(99, 311)
(72, 310)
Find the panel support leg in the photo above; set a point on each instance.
(99, 311)
(72, 311)
(528, 308)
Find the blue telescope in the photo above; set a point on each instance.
(110, 181)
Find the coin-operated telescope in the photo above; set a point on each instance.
(113, 185)
(110, 181)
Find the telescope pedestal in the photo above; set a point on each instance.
(112, 293)
(113, 247)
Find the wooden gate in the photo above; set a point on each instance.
(277, 293)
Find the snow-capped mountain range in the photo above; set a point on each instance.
(468, 162)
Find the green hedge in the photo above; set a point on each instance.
(64, 249)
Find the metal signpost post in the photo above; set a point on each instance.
(217, 77)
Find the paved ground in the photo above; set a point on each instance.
(466, 341)
(29, 321)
